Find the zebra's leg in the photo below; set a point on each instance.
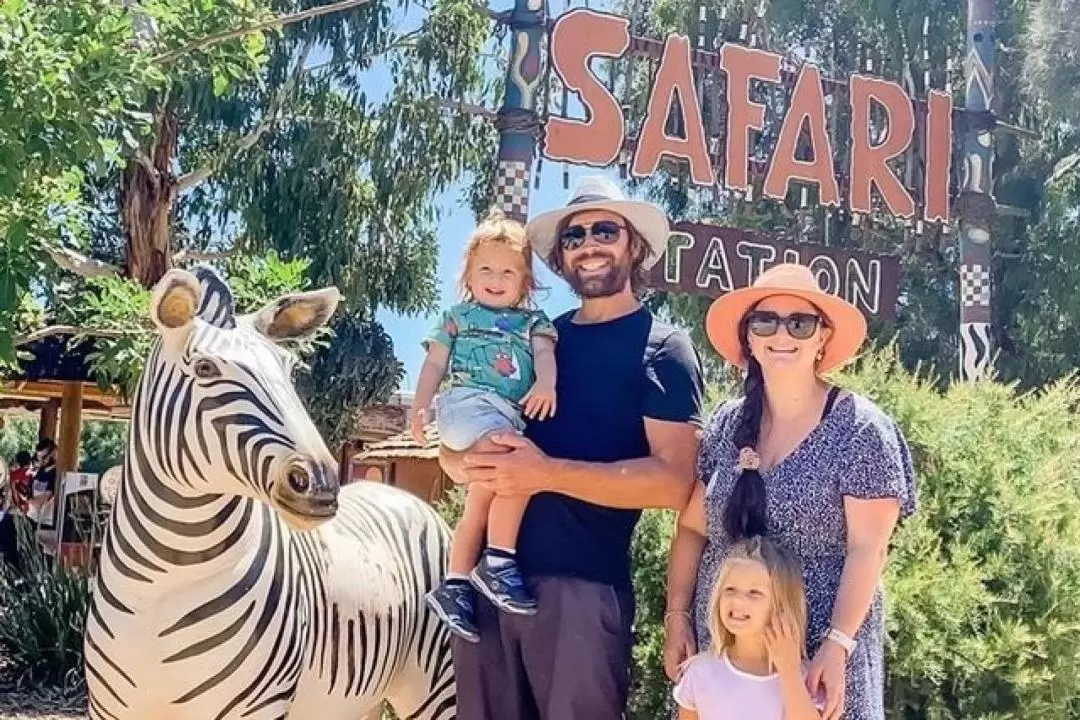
(425, 688)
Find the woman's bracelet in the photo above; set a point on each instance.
(841, 639)
(676, 613)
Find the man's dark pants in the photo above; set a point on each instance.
(570, 661)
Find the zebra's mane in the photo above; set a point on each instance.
(217, 306)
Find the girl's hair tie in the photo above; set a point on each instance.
(749, 459)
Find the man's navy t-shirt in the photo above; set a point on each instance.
(611, 376)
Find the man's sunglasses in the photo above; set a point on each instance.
(800, 326)
(605, 232)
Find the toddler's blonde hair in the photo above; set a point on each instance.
(496, 228)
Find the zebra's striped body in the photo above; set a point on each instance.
(223, 589)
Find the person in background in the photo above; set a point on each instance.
(20, 481)
(13, 509)
(41, 507)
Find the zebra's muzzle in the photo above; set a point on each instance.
(306, 494)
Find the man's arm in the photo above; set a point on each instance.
(672, 411)
(664, 479)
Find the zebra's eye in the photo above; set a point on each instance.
(206, 369)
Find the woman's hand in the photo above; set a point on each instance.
(827, 675)
(679, 645)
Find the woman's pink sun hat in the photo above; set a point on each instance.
(847, 324)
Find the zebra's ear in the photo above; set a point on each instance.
(174, 300)
(217, 306)
(296, 315)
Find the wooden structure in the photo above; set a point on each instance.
(374, 424)
(56, 385)
(401, 461)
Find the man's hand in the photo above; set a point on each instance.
(522, 470)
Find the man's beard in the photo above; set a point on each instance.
(612, 282)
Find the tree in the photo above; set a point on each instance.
(71, 81)
(1035, 176)
(1051, 62)
(253, 129)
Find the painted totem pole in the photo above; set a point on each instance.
(976, 203)
(517, 120)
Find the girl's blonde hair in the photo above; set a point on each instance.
(496, 228)
(785, 575)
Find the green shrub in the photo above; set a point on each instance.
(17, 433)
(101, 446)
(984, 582)
(452, 506)
(651, 693)
(42, 616)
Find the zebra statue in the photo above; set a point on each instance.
(235, 579)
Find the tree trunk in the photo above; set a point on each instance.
(147, 193)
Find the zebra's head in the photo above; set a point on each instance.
(218, 408)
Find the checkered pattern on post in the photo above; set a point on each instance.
(975, 285)
(512, 188)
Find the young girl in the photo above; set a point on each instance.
(757, 618)
(494, 356)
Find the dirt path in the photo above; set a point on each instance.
(18, 702)
(40, 705)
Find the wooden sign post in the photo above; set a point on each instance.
(976, 206)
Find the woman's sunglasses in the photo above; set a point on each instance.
(605, 232)
(800, 326)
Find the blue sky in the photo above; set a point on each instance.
(454, 228)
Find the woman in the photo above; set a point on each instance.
(824, 472)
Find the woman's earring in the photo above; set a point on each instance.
(820, 354)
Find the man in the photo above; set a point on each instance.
(41, 510)
(624, 437)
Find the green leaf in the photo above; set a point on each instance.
(139, 116)
(130, 141)
(255, 45)
(12, 8)
(1065, 166)
(221, 83)
(7, 347)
